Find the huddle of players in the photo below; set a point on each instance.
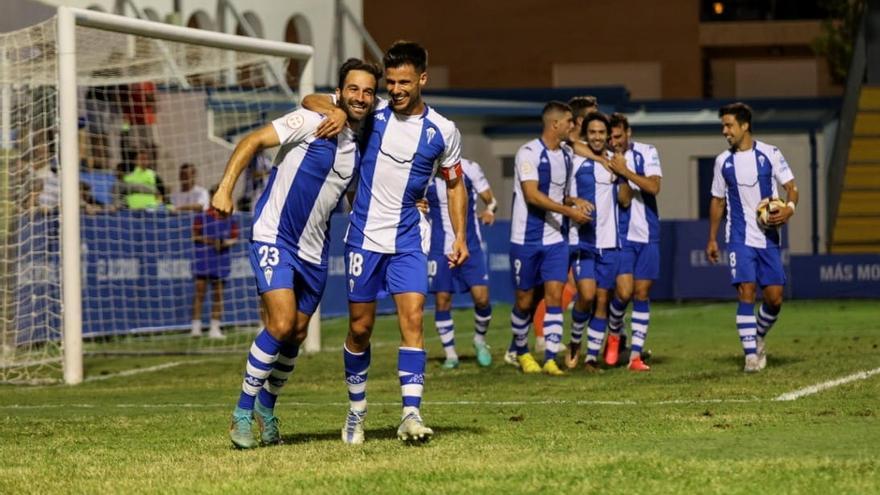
(584, 207)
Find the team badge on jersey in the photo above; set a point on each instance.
(430, 132)
(295, 121)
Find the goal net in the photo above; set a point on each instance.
(158, 109)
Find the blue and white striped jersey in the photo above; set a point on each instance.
(399, 159)
(306, 184)
(641, 221)
(745, 178)
(551, 168)
(593, 182)
(442, 234)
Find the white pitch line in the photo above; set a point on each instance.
(814, 389)
(149, 369)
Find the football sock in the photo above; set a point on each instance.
(356, 366)
(578, 324)
(446, 329)
(616, 312)
(767, 316)
(482, 318)
(411, 370)
(552, 331)
(519, 324)
(641, 316)
(595, 336)
(746, 326)
(281, 371)
(261, 358)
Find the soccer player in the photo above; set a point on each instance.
(598, 243)
(538, 250)
(290, 237)
(746, 174)
(471, 277)
(640, 233)
(383, 250)
(213, 235)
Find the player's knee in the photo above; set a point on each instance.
(583, 304)
(773, 300)
(410, 320)
(281, 326)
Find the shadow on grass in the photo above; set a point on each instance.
(384, 433)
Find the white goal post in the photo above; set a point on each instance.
(67, 21)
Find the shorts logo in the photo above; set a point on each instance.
(351, 285)
(267, 272)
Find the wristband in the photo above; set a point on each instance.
(492, 206)
(791, 205)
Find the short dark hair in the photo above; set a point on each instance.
(187, 165)
(406, 52)
(358, 64)
(618, 119)
(555, 106)
(601, 117)
(579, 105)
(740, 111)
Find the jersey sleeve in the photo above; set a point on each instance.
(452, 150)
(652, 162)
(296, 126)
(475, 173)
(719, 188)
(781, 171)
(526, 163)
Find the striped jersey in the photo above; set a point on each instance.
(442, 234)
(744, 178)
(641, 221)
(309, 178)
(399, 159)
(531, 225)
(593, 182)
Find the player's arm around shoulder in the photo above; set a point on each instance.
(264, 137)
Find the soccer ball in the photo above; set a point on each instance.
(767, 207)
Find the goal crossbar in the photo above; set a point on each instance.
(67, 20)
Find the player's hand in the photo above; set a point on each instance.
(423, 206)
(219, 245)
(222, 203)
(459, 253)
(577, 215)
(780, 216)
(712, 251)
(617, 164)
(487, 217)
(332, 124)
(584, 205)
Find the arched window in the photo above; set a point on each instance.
(298, 31)
(195, 54)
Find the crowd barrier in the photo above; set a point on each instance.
(136, 272)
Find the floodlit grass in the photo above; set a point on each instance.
(694, 424)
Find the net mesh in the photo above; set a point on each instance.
(145, 107)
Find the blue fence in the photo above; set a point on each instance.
(136, 273)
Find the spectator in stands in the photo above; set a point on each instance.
(87, 201)
(213, 237)
(139, 188)
(190, 197)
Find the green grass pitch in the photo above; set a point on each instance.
(695, 424)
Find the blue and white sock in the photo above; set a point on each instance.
(595, 336)
(616, 313)
(552, 332)
(446, 329)
(356, 366)
(641, 316)
(281, 371)
(411, 370)
(767, 316)
(519, 324)
(482, 318)
(261, 358)
(578, 324)
(747, 327)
